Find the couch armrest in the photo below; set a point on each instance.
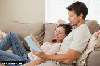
(94, 58)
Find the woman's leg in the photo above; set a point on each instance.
(5, 43)
(8, 58)
(5, 56)
(12, 40)
(16, 45)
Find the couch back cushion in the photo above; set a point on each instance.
(94, 59)
(50, 27)
(23, 29)
(49, 31)
(93, 26)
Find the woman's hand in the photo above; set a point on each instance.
(42, 55)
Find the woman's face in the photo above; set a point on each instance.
(59, 33)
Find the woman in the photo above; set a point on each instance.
(19, 54)
(52, 47)
(60, 33)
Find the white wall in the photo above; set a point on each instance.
(56, 9)
(22, 11)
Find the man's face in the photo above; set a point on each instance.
(73, 18)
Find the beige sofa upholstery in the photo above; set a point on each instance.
(49, 31)
(94, 57)
(93, 25)
(23, 29)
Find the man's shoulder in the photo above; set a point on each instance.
(82, 32)
(82, 28)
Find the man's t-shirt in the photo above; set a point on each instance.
(76, 40)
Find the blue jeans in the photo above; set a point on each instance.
(12, 41)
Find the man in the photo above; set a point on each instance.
(74, 44)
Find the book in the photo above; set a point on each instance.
(32, 44)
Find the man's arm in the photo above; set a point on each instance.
(68, 57)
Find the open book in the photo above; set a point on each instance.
(32, 44)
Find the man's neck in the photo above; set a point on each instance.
(80, 23)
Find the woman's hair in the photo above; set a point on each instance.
(67, 27)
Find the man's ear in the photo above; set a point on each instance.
(81, 16)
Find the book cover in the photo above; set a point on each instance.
(32, 44)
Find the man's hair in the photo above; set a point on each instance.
(67, 28)
(79, 8)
